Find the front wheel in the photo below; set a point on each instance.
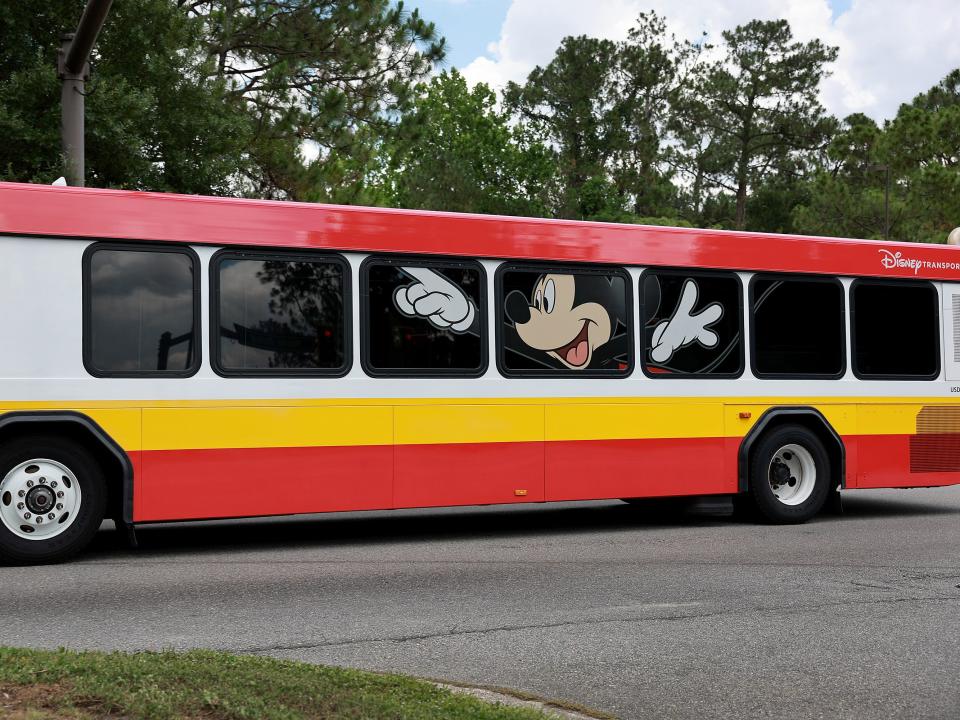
(52, 500)
(789, 475)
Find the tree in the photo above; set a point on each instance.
(456, 151)
(217, 97)
(155, 120)
(571, 104)
(911, 164)
(650, 68)
(756, 109)
(315, 71)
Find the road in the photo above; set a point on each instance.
(635, 612)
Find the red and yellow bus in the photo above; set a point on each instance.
(171, 358)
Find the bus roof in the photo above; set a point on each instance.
(43, 210)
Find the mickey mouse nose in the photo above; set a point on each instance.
(517, 307)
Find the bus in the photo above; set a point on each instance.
(173, 358)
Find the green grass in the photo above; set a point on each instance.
(41, 685)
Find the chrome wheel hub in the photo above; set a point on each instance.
(39, 499)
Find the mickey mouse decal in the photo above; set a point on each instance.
(573, 321)
(684, 326)
(435, 298)
(576, 321)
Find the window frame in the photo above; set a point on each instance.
(421, 261)
(87, 309)
(543, 267)
(690, 272)
(853, 328)
(283, 255)
(796, 277)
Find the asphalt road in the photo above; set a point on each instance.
(632, 611)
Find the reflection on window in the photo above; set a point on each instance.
(691, 323)
(564, 321)
(279, 315)
(797, 326)
(424, 319)
(141, 311)
(896, 329)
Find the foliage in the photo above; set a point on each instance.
(168, 686)
(325, 100)
(755, 113)
(456, 151)
(905, 174)
(315, 71)
(154, 118)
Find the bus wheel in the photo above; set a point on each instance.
(789, 475)
(52, 500)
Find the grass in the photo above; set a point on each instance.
(51, 685)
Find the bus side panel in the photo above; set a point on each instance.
(908, 445)
(468, 455)
(635, 450)
(207, 462)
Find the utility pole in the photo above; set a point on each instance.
(73, 69)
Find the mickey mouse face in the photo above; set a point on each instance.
(563, 329)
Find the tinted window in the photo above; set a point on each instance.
(691, 323)
(280, 314)
(424, 318)
(554, 321)
(896, 329)
(141, 311)
(797, 326)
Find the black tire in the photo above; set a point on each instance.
(762, 464)
(15, 550)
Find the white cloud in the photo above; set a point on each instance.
(890, 50)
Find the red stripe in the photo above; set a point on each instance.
(94, 213)
(185, 484)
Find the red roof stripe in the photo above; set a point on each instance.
(118, 214)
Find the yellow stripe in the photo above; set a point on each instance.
(171, 425)
(468, 423)
(211, 427)
(604, 421)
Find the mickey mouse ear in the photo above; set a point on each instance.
(517, 307)
(651, 295)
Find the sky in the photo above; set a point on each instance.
(890, 50)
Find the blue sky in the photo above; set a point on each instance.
(469, 26)
(890, 50)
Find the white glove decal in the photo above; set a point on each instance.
(684, 328)
(435, 298)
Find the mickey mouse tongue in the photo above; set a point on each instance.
(578, 355)
(577, 351)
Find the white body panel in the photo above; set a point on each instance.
(41, 352)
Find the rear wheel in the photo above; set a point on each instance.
(789, 475)
(52, 500)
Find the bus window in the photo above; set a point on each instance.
(279, 314)
(692, 322)
(557, 320)
(896, 330)
(141, 311)
(423, 318)
(797, 326)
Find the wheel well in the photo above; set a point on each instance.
(807, 417)
(116, 466)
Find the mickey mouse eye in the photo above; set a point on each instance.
(549, 296)
(537, 300)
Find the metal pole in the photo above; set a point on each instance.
(74, 71)
(71, 115)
